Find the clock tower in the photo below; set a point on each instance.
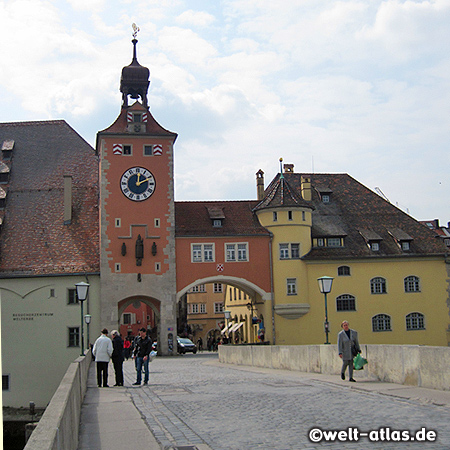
(137, 211)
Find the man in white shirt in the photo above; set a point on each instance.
(102, 352)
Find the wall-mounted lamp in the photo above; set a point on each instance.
(154, 249)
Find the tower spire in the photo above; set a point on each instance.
(134, 81)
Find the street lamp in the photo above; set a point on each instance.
(227, 315)
(325, 284)
(87, 319)
(82, 292)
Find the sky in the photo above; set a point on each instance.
(359, 87)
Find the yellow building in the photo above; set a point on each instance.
(390, 273)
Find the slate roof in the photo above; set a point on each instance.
(195, 219)
(33, 237)
(279, 194)
(355, 211)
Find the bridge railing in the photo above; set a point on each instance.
(414, 365)
(59, 426)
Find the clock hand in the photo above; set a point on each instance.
(138, 183)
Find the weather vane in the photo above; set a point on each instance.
(135, 29)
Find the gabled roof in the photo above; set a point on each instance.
(195, 219)
(120, 125)
(33, 237)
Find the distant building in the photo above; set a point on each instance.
(441, 231)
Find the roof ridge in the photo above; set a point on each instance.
(33, 122)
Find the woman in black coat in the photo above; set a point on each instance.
(117, 357)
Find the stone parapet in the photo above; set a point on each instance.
(414, 365)
(59, 425)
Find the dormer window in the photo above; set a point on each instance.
(216, 215)
(137, 117)
(402, 239)
(373, 240)
(325, 198)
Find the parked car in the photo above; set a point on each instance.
(186, 345)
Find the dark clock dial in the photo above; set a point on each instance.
(137, 184)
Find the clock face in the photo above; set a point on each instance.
(137, 184)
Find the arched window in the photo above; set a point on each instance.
(378, 285)
(343, 271)
(345, 302)
(412, 284)
(415, 321)
(381, 322)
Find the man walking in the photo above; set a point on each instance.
(348, 348)
(117, 357)
(102, 352)
(141, 353)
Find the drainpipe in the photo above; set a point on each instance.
(271, 287)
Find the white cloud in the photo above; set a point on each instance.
(195, 18)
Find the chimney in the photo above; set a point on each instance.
(67, 199)
(306, 187)
(260, 184)
(288, 168)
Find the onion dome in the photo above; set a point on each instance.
(134, 81)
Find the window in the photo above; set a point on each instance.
(295, 251)
(218, 307)
(74, 336)
(405, 246)
(290, 215)
(218, 288)
(127, 318)
(117, 267)
(157, 223)
(289, 251)
(127, 150)
(375, 246)
(275, 216)
(378, 286)
(381, 322)
(284, 251)
(334, 242)
(320, 242)
(148, 150)
(5, 382)
(344, 271)
(291, 284)
(345, 302)
(202, 308)
(52, 293)
(236, 252)
(118, 223)
(198, 288)
(415, 321)
(193, 308)
(325, 198)
(202, 252)
(412, 284)
(303, 216)
(72, 296)
(217, 223)
(137, 117)
(157, 267)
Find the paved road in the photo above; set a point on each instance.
(193, 400)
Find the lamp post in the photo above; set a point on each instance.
(87, 319)
(325, 284)
(82, 292)
(227, 315)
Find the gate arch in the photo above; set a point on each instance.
(244, 285)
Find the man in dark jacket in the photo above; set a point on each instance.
(348, 348)
(141, 353)
(117, 357)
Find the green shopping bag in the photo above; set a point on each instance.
(359, 362)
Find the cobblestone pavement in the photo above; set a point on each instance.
(193, 400)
